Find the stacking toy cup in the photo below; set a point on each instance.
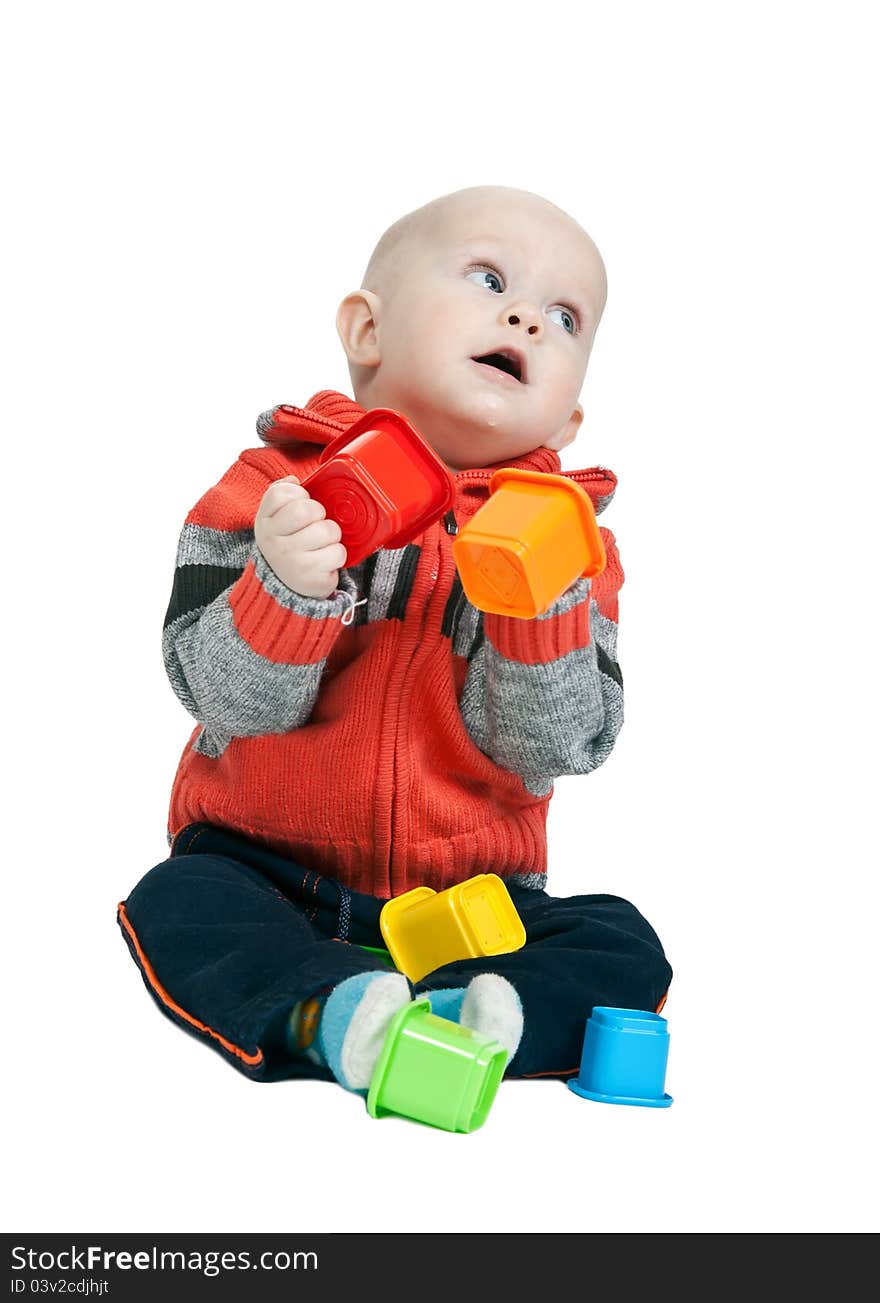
(624, 1058)
(381, 482)
(435, 1071)
(528, 543)
(425, 929)
(380, 953)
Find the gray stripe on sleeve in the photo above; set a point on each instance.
(572, 596)
(226, 685)
(542, 721)
(200, 546)
(230, 688)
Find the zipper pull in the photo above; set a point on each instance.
(450, 522)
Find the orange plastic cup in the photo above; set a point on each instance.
(528, 543)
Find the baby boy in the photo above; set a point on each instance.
(365, 730)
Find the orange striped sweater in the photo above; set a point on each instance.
(415, 745)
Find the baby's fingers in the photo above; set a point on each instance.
(326, 560)
(280, 494)
(302, 517)
(335, 555)
(317, 534)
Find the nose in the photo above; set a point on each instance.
(526, 315)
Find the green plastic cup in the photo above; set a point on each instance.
(436, 1071)
(378, 950)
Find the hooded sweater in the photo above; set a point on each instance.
(410, 740)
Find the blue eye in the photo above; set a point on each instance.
(489, 279)
(563, 318)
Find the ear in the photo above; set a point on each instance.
(356, 321)
(565, 436)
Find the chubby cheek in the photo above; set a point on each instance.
(420, 353)
(410, 356)
(434, 333)
(559, 395)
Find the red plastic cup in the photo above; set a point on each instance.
(382, 484)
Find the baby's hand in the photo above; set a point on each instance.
(298, 541)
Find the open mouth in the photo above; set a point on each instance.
(507, 361)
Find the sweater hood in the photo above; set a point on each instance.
(329, 413)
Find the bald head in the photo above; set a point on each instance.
(475, 210)
(474, 276)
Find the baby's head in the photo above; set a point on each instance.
(486, 273)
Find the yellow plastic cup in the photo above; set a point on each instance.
(425, 929)
(528, 543)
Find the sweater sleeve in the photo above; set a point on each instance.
(243, 652)
(544, 697)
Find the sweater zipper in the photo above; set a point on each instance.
(436, 564)
(450, 524)
(481, 475)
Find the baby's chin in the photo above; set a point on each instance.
(470, 422)
(467, 424)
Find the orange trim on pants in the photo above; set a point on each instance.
(251, 1059)
(563, 1072)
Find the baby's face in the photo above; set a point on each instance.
(484, 330)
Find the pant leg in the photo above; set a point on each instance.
(229, 936)
(580, 951)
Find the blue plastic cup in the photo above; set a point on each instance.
(624, 1058)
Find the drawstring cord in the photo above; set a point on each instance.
(348, 614)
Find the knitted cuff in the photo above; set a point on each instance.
(564, 627)
(282, 625)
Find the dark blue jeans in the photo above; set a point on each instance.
(229, 936)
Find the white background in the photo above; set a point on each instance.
(191, 188)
